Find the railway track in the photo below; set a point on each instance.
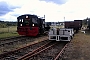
(12, 40)
(45, 50)
(37, 51)
(9, 38)
(50, 51)
(16, 42)
(15, 54)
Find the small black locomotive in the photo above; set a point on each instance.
(30, 25)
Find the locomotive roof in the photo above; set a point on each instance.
(27, 15)
(77, 20)
(31, 16)
(69, 21)
(41, 18)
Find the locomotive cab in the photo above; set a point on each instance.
(41, 25)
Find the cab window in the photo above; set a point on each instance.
(27, 22)
(34, 20)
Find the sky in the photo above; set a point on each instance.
(54, 10)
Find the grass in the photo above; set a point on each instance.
(4, 35)
(8, 32)
(8, 29)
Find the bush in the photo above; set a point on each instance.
(6, 24)
(2, 25)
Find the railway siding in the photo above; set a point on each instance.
(18, 44)
(78, 49)
(21, 50)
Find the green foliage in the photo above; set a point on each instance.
(3, 25)
(8, 29)
(6, 24)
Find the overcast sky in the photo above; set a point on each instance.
(54, 10)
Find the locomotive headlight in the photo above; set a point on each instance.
(22, 20)
(26, 16)
(32, 24)
(20, 24)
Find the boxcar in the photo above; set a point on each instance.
(76, 24)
